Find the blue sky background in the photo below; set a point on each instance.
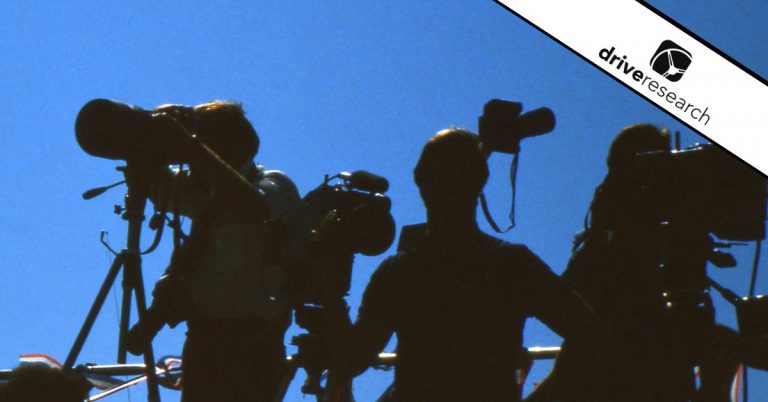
(329, 86)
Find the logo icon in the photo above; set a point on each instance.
(671, 60)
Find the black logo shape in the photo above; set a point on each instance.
(671, 60)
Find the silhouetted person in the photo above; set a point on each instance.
(44, 384)
(223, 281)
(458, 299)
(623, 263)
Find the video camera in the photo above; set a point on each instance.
(705, 186)
(347, 214)
(702, 191)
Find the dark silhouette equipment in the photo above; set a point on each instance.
(657, 219)
(501, 129)
(503, 125)
(698, 193)
(119, 131)
(145, 140)
(346, 215)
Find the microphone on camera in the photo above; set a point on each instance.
(366, 181)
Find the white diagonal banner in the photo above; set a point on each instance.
(664, 64)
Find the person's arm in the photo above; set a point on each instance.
(587, 340)
(375, 319)
(554, 303)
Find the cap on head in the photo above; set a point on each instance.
(632, 140)
(451, 165)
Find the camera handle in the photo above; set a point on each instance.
(129, 259)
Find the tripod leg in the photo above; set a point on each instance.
(135, 283)
(109, 280)
(290, 373)
(125, 315)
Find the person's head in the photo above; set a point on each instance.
(44, 384)
(221, 125)
(451, 170)
(620, 201)
(632, 140)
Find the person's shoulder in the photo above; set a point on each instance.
(281, 192)
(507, 249)
(389, 274)
(392, 264)
(518, 257)
(278, 177)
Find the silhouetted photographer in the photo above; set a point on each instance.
(641, 264)
(224, 279)
(457, 298)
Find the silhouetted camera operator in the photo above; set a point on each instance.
(224, 280)
(641, 264)
(458, 298)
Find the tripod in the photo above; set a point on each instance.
(129, 259)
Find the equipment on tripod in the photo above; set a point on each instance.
(695, 194)
(129, 259)
(335, 221)
(147, 141)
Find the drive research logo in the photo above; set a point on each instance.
(671, 60)
(648, 85)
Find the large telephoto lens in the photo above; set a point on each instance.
(112, 130)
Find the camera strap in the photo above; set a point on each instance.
(484, 202)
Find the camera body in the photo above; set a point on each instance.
(704, 186)
(502, 126)
(698, 192)
(335, 221)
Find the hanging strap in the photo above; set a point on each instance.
(484, 202)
